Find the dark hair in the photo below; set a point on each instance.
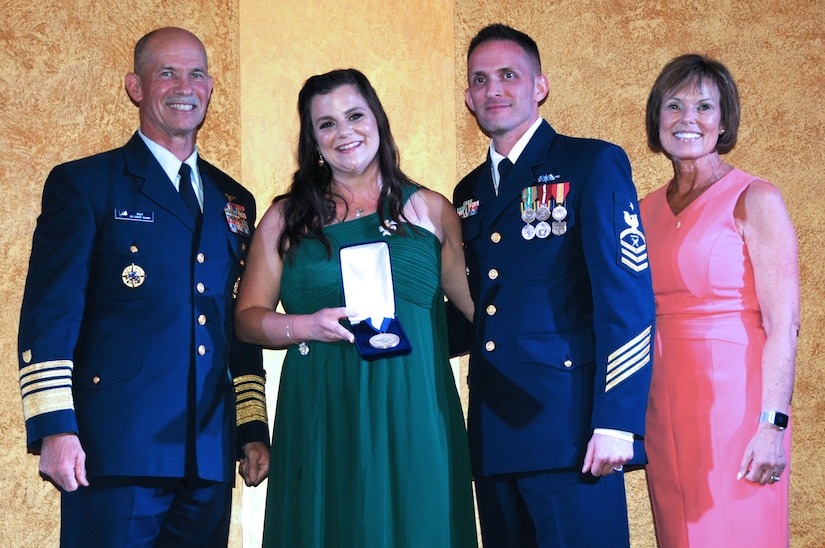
(691, 70)
(500, 32)
(308, 204)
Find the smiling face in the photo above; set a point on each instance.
(172, 88)
(689, 121)
(345, 130)
(505, 89)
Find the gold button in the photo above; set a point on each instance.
(202, 319)
(201, 350)
(133, 248)
(493, 274)
(201, 288)
(200, 258)
(490, 346)
(491, 309)
(568, 363)
(243, 247)
(495, 237)
(96, 379)
(242, 262)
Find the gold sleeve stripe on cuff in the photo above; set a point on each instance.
(46, 387)
(250, 411)
(248, 379)
(55, 399)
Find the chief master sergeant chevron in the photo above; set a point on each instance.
(561, 354)
(136, 394)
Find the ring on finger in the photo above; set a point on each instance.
(774, 478)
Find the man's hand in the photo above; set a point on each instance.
(63, 461)
(254, 466)
(606, 454)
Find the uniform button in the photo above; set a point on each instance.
(490, 346)
(200, 287)
(202, 319)
(133, 248)
(200, 258)
(96, 379)
(491, 309)
(242, 262)
(568, 363)
(495, 237)
(492, 274)
(243, 247)
(201, 350)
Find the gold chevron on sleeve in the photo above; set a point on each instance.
(46, 387)
(250, 399)
(628, 359)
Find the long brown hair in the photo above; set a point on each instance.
(308, 204)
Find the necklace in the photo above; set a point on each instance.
(712, 179)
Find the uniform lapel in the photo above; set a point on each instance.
(522, 175)
(155, 184)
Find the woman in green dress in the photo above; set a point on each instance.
(365, 453)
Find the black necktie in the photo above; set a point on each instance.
(188, 193)
(504, 167)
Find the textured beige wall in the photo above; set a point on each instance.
(61, 68)
(602, 56)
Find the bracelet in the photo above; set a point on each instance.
(288, 336)
(302, 346)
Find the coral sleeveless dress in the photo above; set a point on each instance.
(705, 395)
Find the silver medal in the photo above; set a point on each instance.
(384, 340)
(543, 212)
(528, 232)
(559, 212)
(559, 228)
(542, 230)
(528, 215)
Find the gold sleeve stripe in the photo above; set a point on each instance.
(632, 355)
(628, 359)
(250, 399)
(635, 340)
(627, 374)
(248, 379)
(250, 411)
(46, 387)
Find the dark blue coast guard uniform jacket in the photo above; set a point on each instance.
(126, 333)
(564, 324)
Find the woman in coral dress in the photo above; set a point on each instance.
(723, 257)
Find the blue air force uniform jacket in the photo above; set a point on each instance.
(564, 323)
(126, 331)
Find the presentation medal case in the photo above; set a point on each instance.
(368, 290)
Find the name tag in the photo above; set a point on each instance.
(137, 216)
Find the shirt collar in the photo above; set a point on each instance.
(515, 152)
(169, 162)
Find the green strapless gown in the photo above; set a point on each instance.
(369, 454)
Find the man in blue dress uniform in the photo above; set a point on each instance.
(560, 359)
(136, 394)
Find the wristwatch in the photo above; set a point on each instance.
(780, 420)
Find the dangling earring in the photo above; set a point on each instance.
(320, 159)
